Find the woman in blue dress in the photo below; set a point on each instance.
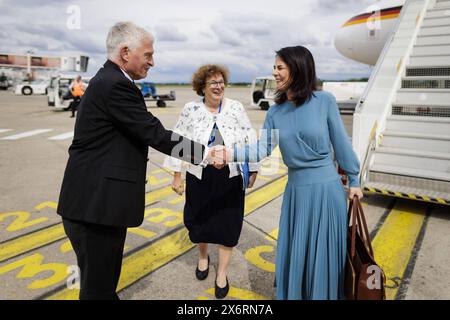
(311, 246)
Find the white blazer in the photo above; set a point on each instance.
(196, 123)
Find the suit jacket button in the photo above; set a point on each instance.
(146, 181)
(148, 159)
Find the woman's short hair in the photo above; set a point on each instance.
(125, 34)
(204, 72)
(302, 80)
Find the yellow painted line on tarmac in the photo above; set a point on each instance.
(15, 247)
(156, 171)
(265, 194)
(177, 200)
(158, 195)
(254, 255)
(394, 242)
(142, 232)
(65, 247)
(46, 204)
(272, 235)
(139, 264)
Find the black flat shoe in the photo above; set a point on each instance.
(201, 275)
(221, 292)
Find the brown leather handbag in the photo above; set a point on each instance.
(364, 279)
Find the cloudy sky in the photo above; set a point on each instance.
(242, 34)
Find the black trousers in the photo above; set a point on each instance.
(99, 251)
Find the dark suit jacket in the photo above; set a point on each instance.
(104, 181)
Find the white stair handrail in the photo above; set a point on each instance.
(372, 140)
(380, 60)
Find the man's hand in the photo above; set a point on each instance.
(178, 183)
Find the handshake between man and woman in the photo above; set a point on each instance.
(218, 156)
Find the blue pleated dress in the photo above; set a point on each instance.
(311, 246)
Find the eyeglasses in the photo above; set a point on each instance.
(214, 84)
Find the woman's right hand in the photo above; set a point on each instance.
(178, 183)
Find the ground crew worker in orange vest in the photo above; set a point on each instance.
(77, 89)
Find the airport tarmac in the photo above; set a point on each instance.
(410, 239)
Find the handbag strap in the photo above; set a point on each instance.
(349, 212)
(354, 229)
(359, 225)
(361, 218)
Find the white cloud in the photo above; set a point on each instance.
(169, 33)
(244, 35)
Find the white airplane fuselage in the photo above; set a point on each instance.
(362, 37)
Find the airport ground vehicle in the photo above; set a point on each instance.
(58, 94)
(148, 90)
(4, 83)
(262, 92)
(32, 87)
(347, 94)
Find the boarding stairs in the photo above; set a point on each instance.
(409, 155)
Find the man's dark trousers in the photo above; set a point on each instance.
(101, 248)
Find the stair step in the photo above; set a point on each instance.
(421, 194)
(426, 78)
(416, 159)
(427, 71)
(432, 40)
(426, 82)
(423, 96)
(415, 135)
(424, 110)
(440, 4)
(418, 124)
(415, 153)
(435, 21)
(438, 12)
(437, 176)
(435, 30)
(412, 140)
(429, 60)
(431, 49)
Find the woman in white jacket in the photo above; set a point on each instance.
(214, 208)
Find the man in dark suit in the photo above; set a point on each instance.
(103, 189)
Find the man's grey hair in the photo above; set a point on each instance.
(125, 34)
